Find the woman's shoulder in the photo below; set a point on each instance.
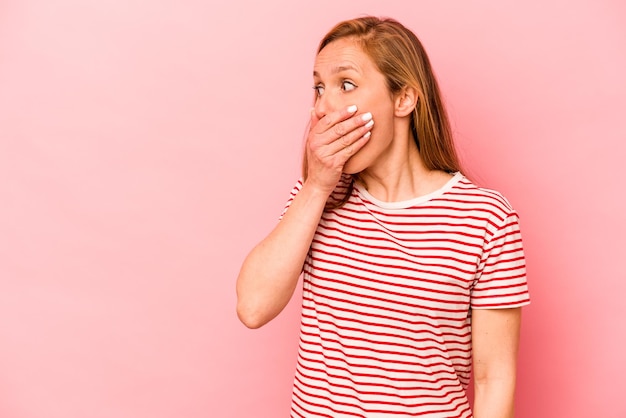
(468, 192)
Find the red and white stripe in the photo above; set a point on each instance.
(388, 288)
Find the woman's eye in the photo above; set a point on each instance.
(347, 86)
(319, 90)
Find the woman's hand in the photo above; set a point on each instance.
(332, 140)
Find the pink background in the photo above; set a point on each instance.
(146, 146)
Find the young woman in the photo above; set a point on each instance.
(411, 272)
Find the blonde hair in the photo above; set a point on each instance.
(401, 58)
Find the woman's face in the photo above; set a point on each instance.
(344, 75)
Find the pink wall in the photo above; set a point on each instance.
(145, 146)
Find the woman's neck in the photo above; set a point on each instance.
(402, 175)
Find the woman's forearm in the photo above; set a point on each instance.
(270, 273)
(494, 398)
(495, 340)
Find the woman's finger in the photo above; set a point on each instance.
(347, 140)
(344, 130)
(333, 118)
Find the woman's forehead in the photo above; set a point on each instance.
(341, 55)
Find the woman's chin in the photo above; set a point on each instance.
(353, 166)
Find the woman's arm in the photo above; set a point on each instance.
(270, 273)
(495, 340)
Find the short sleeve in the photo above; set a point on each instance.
(501, 277)
(292, 195)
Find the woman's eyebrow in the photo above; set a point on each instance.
(339, 69)
(345, 67)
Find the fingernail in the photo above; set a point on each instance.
(367, 135)
(352, 108)
(366, 116)
(369, 124)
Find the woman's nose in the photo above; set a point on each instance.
(324, 105)
(320, 107)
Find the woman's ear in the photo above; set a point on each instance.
(406, 100)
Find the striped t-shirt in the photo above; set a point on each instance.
(388, 291)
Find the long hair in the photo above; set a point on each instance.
(401, 58)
